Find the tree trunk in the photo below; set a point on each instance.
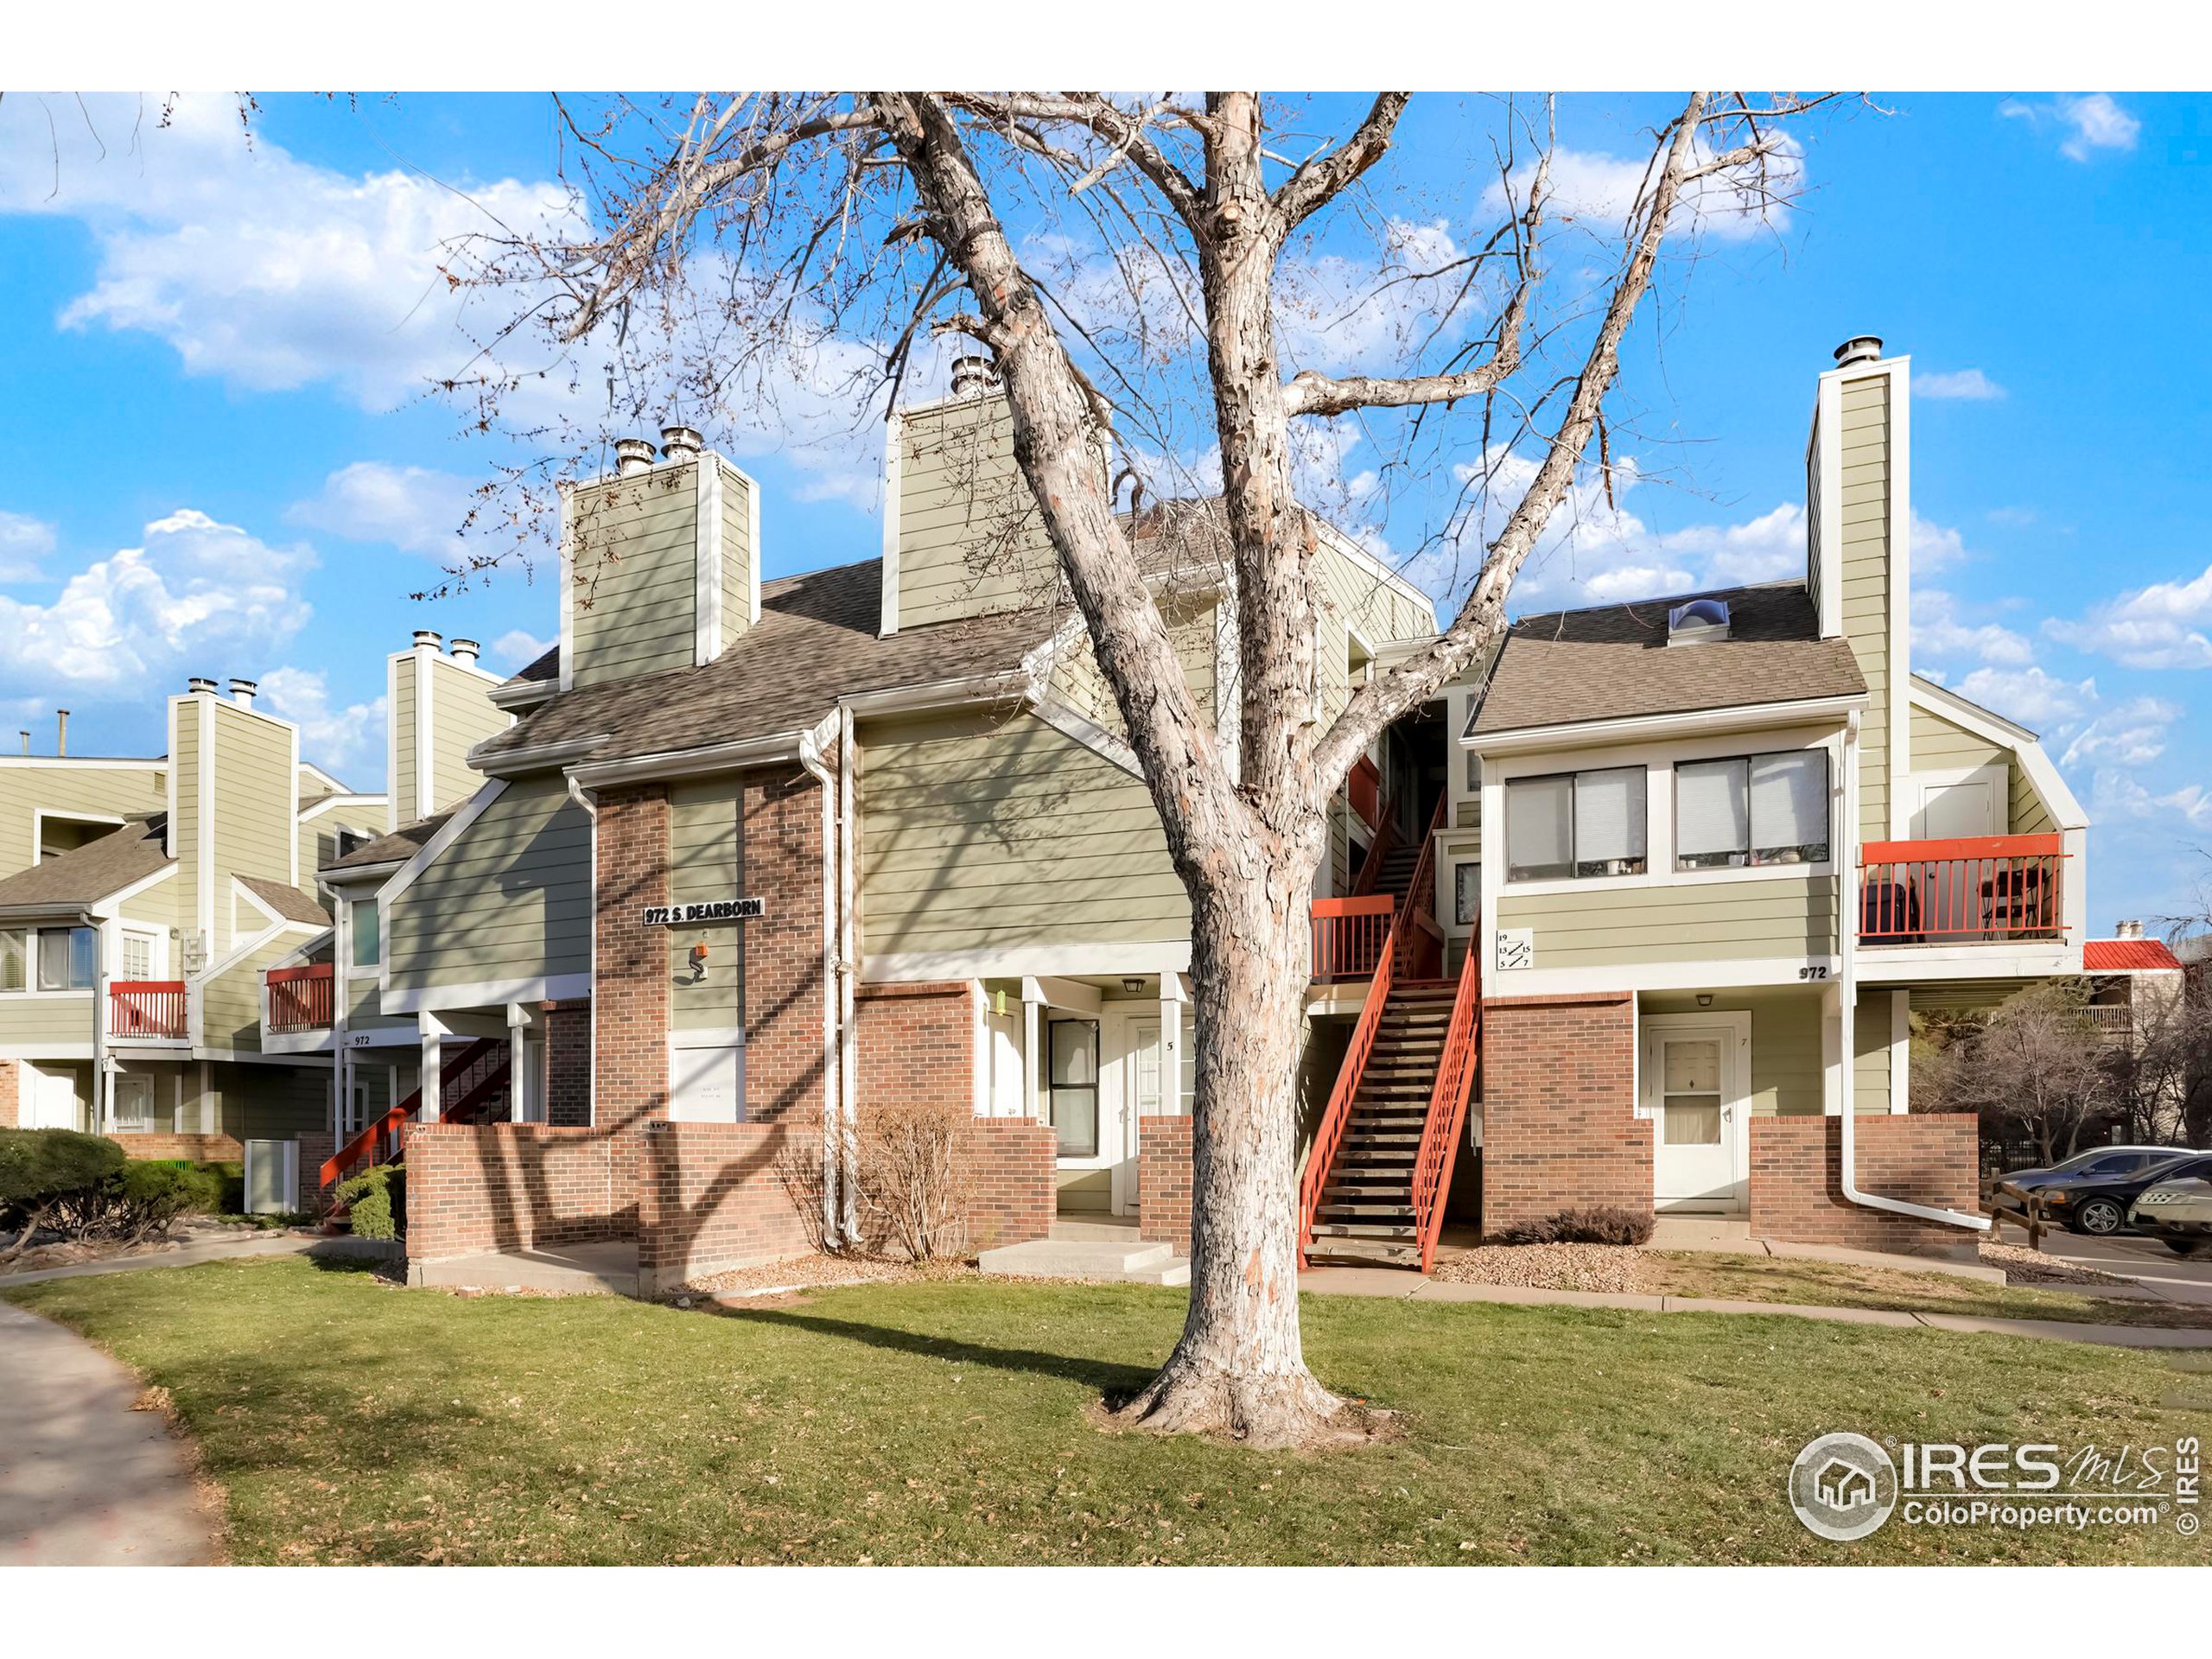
(1240, 1367)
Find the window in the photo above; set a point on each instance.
(368, 947)
(1580, 823)
(1760, 809)
(134, 1102)
(66, 958)
(1074, 1086)
(1466, 894)
(14, 959)
(137, 956)
(1474, 774)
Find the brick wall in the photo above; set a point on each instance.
(1797, 1181)
(916, 1043)
(1012, 1186)
(515, 1186)
(568, 1065)
(1559, 1127)
(630, 979)
(783, 952)
(10, 1095)
(220, 1149)
(1164, 1181)
(709, 1200)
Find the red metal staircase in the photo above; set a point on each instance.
(1380, 1169)
(472, 1088)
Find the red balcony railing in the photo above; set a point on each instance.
(147, 1008)
(1983, 889)
(1363, 788)
(1349, 935)
(299, 998)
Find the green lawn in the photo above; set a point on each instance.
(351, 1422)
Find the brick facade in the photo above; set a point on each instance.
(1013, 1185)
(783, 987)
(568, 1065)
(1559, 1127)
(630, 979)
(1797, 1181)
(517, 1187)
(916, 1043)
(1164, 1181)
(221, 1149)
(710, 1199)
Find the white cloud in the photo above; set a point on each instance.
(198, 597)
(516, 649)
(1970, 385)
(414, 508)
(1939, 631)
(2091, 122)
(348, 740)
(2167, 625)
(2133, 734)
(23, 542)
(2118, 794)
(1590, 185)
(2031, 696)
(1936, 547)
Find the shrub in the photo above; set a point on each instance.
(376, 1201)
(914, 1192)
(1591, 1225)
(150, 1198)
(798, 1166)
(54, 1178)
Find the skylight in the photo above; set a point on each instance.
(1698, 622)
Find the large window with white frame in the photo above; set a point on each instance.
(1752, 809)
(1575, 824)
(48, 958)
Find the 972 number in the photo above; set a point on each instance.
(1818, 970)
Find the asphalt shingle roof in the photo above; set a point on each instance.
(287, 900)
(1613, 662)
(86, 874)
(401, 844)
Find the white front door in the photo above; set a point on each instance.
(134, 1102)
(1954, 808)
(1694, 1091)
(53, 1098)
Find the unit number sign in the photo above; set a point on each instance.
(712, 910)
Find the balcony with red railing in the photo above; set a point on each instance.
(1979, 890)
(146, 1010)
(1350, 935)
(300, 999)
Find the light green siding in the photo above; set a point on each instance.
(406, 789)
(1863, 512)
(978, 834)
(252, 811)
(1871, 1041)
(509, 900)
(361, 1003)
(1938, 746)
(2029, 816)
(184, 822)
(737, 555)
(1786, 1044)
(319, 836)
(1381, 611)
(100, 792)
(231, 1003)
(49, 1018)
(634, 603)
(970, 540)
(703, 865)
(1074, 679)
(1787, 918)
(461, 716)
(161, 903)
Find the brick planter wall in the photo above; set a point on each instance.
(1559, 1127)
(916, 1042)
(1797, 1181)
(709, 1200)
(568, 1065)
(515, 1186)
(1164, 1181)
(1012, 1188)
(221, 1149)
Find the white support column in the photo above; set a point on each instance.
(522, 1107)
(434, 1033)
(1171, 1045)
(1900, 1052)
(1033, 998)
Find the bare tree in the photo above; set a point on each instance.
(723, 235)
(2036, 1065)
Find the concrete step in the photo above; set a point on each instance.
(1363, 1253)
(1135, 1263)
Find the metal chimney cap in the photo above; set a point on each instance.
(1860, 348)
(632, 456)
(464, 651)
(199, 682)
(429, 637)
(971, 375)
(678, 442)
(243, 691)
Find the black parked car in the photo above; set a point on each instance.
(2098, 1161)
(2098, 1202)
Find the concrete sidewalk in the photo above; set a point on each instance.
(220, 1250)
(1407, 1286)
(85, 1481)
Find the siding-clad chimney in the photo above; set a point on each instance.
(439, 709)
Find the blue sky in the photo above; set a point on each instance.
(215, 457)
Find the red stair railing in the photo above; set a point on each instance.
(379, 1142)
(1349, 935)
(299, 998)
(153, 1009)
(1447, 1106)
(1420, 946)
(1370, 869)
(1338, 1112)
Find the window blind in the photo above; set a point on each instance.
(1609, 816)
(1538, 827)
(1712, 815)
(1790, 800)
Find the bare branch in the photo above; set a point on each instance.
(1326, 177)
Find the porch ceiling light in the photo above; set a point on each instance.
(1133, 985)
(1704, 999)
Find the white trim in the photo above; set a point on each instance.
(204, 809)
(292, 815)
(1087, 733)
(1736, 1103)
(690, 762)
(1640, 728)
(431, 850)
(1992, 727)
(41, 814)
(1030, 961)
(1911, 963)
(1900, 1052)
(37, 1051)
(426, 752)
(752, 544)
(706, 558)
(1829, 427)
(1997, 776)
(511, 694)
(1070, 996)
(566, 679)
(240, 890)
(895, 440)
(392, 741)
(88, 762)
(1899, 454)
(1349, 549)
(110, 904)
(335, 784)
(331, 802)
(1713, 974)
(431, 999)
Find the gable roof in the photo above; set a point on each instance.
(86, 874)
(286, 901)
(2126, 956)
(1613, 662)
(396, 847)
(817, 640)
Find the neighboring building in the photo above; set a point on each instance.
(140, 900)
(1695, 862)
(2134, 982)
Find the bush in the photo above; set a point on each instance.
(54, 1178)
(376, 1201)
(1591, 1224)
(150, 1197)
(914, 1191)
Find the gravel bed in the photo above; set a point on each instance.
(811, 1272)
(2026, 1267)
(1615, 1267)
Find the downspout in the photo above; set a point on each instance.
(847, 962)
(588, 803)
(102, 1088)
(837, 1202)
(1846, 1012)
